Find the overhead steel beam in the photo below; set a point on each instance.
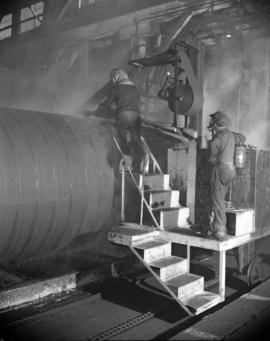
(7, 7)
(126, 23)
(164, 12)
(63, 11)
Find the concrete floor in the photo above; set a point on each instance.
(116, 301)
(245, 318)
(90, 310)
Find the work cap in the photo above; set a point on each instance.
(221, 119)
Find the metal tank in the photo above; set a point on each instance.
(56, 181)
(240, 156)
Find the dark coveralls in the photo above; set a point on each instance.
(223, 171)
(125, 96)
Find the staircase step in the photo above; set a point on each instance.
(156, 181)
(171, 216)
(202, 301)
(240, 221)
(129, 234)
(153, 249)
(168, 267)
(186, 285)
(162, 198)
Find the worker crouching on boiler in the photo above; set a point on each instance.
(124, 99)
(222, 148)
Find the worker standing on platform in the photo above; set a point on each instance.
(222, 148)
(124, 101)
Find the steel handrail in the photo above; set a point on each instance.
(158, 226)
(154, 160)
(137, 186)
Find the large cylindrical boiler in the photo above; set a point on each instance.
(56, 181)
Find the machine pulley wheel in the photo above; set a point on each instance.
(185, 99)
(254, 273)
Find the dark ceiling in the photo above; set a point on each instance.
(219, 17)
(240, 16)
(10, 6)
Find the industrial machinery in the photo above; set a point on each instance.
(183, 98)
(57, 181)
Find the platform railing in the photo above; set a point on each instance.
(140, 188)
(141, 191)
(155, 168)
(148, 151)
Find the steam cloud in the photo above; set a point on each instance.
(63, 80)
(236, 83)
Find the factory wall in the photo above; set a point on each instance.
(236, 81)
(13, 86)
(56, 77)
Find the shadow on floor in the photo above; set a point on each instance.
(140, 298)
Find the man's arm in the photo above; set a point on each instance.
(215, 145)
(106, 105)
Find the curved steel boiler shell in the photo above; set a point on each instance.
(56, 182)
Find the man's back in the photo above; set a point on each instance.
(125, 96)
(223, 146)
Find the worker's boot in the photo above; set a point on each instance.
(217, 232)
(128, 161)
(144, 164)
(220, 236)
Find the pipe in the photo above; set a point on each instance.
(56, 181)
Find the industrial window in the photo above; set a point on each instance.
(85, 3)
(5, 26)
(31, 17)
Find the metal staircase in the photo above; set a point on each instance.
(156, 253)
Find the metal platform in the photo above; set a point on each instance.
(151, 245)
(188, 237)
(172, 272)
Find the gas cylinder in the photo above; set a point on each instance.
(240, 156)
